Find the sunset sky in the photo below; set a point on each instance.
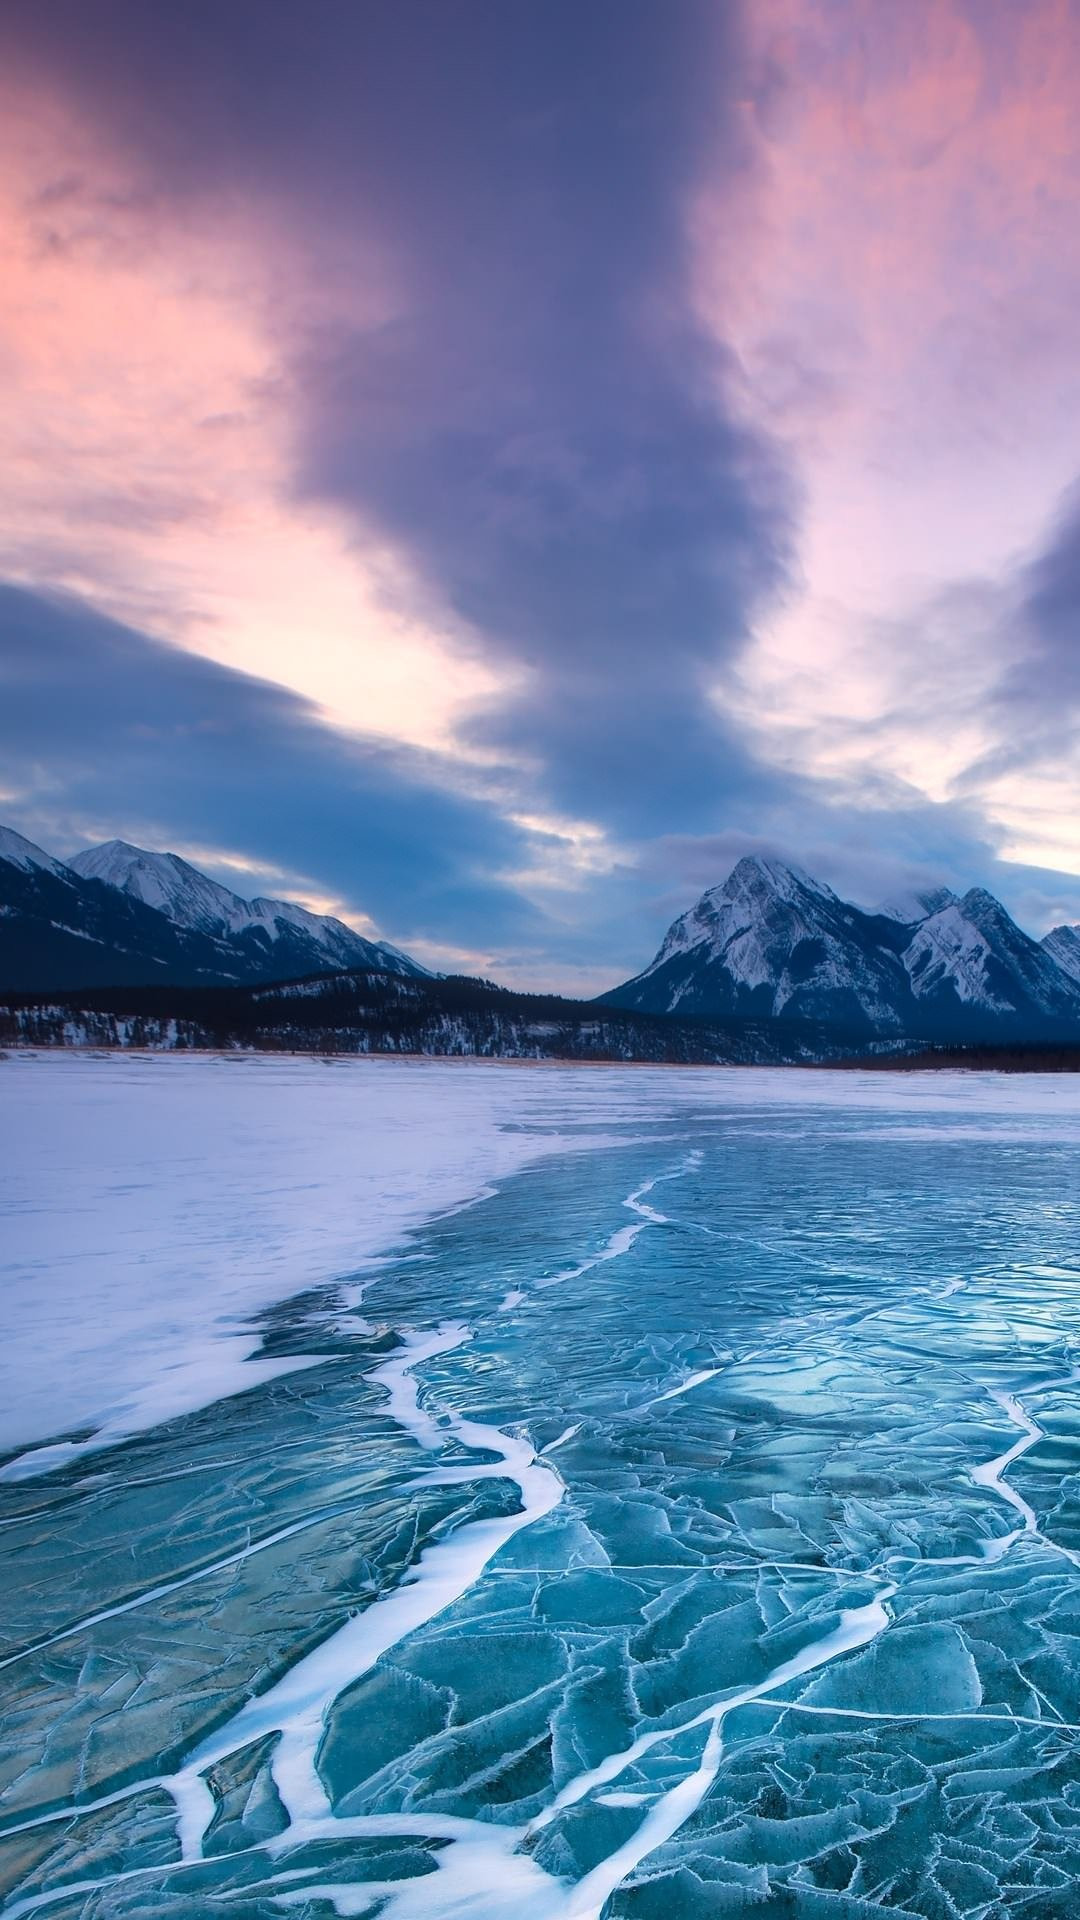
(479, 466)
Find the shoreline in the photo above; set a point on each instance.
(892, 1064)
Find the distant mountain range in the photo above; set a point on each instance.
(774, 942)
(118, 915)
(772, 965)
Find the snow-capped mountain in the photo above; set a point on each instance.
(278, 939)
(771, 943)
(971, 958)
(23, 855)
(1063, 946)
(58, 929)
(119, 916)
(772, 940)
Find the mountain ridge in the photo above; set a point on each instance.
(292, 935)
(771, 941)
(67, 925)
(770, 945)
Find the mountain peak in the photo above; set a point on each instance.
(19, 852)
(982, 910)
(1063, 946)
(161, 880)
(278, 936)
(120, 856)
(980, 901)
(781, 877)
(973, 956)
(111, 850)
(774, 941)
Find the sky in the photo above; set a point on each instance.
(480, 466)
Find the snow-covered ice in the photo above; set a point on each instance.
(152, 1204)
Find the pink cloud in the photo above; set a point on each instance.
(909, 231)
(900, 282)
(147, 429)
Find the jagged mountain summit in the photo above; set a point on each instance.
(79, 925)
(1063, 946)
(278, 938)
(972, 958)
(773, 941)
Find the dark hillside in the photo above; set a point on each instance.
(368, 1012)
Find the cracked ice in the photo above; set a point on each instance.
(690, 1526)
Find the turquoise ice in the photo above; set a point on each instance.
(689, 1527)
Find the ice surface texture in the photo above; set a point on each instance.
(690, 1527)
(149, 1206)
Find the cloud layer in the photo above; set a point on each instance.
(502, 457)
(101, 725)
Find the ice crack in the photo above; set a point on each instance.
(991, 1473)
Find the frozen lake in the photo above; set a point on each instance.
(451, 1491)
